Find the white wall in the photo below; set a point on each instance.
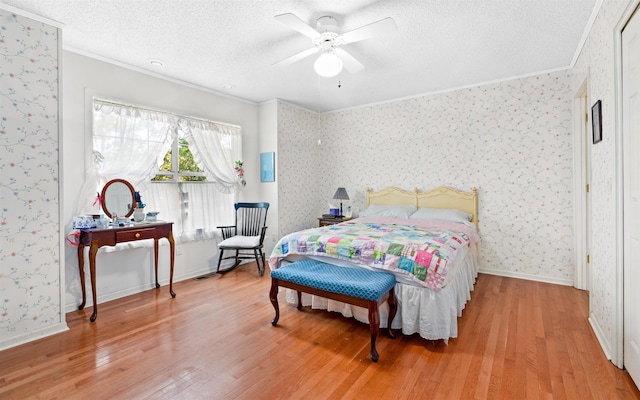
(130, 271)
(268, 117)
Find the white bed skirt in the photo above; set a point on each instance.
(433, 315)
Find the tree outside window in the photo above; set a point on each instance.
(182, 168)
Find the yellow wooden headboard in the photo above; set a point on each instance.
(441, 197)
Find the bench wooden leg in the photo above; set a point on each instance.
(273, 296)
(393, 308)
(372, 305)
(374, 325)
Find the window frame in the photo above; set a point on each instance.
(175, 174)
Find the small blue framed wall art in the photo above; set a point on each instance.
(268, 167)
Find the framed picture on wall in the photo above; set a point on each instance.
(267, 167)
(596, 121)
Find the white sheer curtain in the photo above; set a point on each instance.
(164, 197)
(215, 148)
(203, 217)
(129, 142)
(196, 208)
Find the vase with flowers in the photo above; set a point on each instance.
(240, 171)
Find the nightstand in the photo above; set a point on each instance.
(331, 221)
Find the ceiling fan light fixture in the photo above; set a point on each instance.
(328, 64)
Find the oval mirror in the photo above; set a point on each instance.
(118, 198)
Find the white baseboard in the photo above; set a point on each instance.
(529, 277)
(72, 304)
(602, 339)
(33, 335)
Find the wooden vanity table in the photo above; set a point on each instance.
(96, 238)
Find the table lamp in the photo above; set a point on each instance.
(341, 194)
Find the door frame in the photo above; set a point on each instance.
(581, 170)
(618, 328)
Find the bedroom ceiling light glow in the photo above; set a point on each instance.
(328, 64)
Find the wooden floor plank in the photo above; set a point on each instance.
(517, 339)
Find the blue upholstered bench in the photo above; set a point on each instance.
(355, 286)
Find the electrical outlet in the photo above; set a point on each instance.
(178, 250)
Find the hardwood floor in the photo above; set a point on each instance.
(518, 340)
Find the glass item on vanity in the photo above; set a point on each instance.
(138, 215)
(152, 216)
(102, 222)
(121, 221)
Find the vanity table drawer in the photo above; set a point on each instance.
(137, 234)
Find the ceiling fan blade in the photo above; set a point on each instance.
(297, 24)
(377, 28)
(297, 57)
(350, 63)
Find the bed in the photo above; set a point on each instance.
(428, 240)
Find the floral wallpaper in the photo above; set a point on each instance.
(29, 214)
(511, 140)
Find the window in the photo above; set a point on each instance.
(179, 165)
(183, 167)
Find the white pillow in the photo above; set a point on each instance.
(443, 214)
(388, 211)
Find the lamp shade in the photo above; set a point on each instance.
(341, 194)
(328, 64)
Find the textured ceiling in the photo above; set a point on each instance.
(230, 46)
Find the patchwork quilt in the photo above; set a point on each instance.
(424, 250)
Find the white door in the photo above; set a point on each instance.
(631, 160)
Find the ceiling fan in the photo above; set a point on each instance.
(327, 40)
